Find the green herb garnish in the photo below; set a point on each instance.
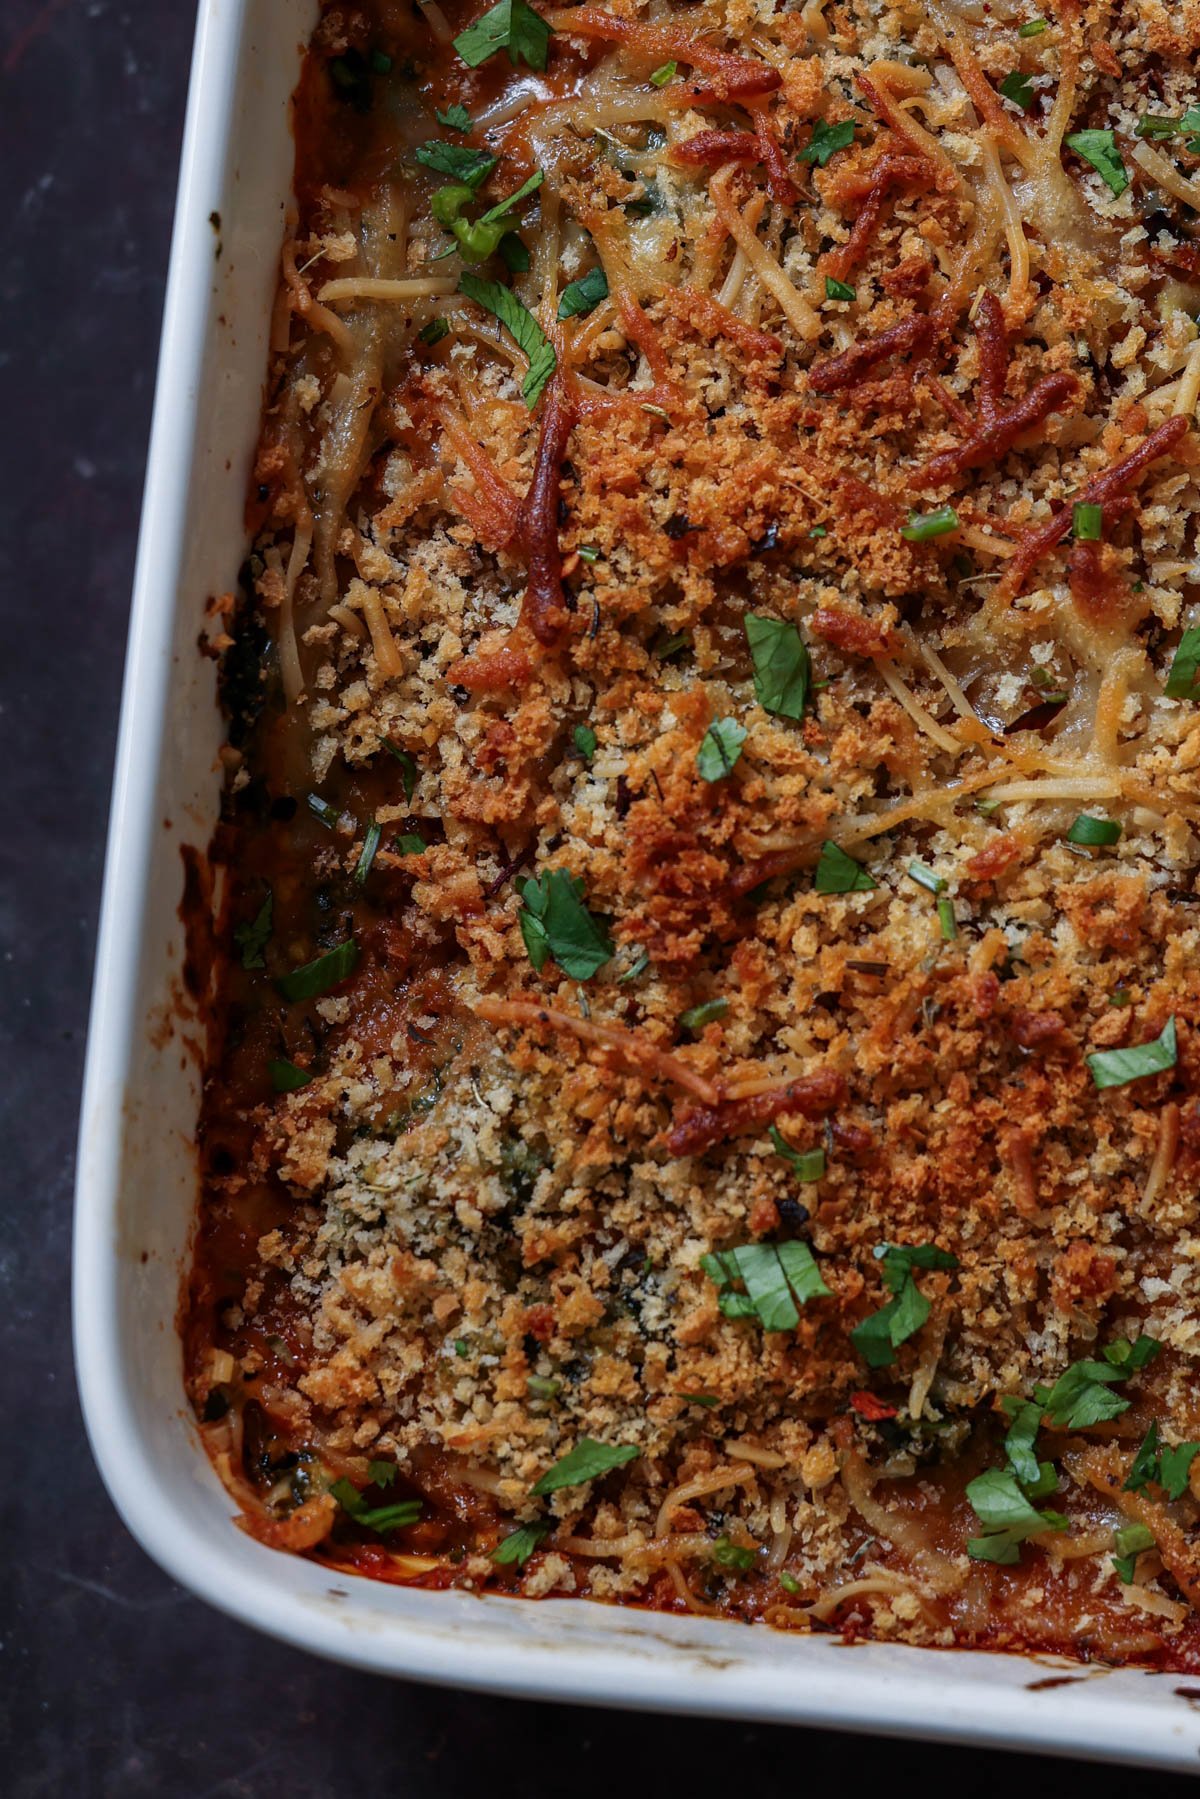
(839, 290)
(808, 1164)
(1087, 522)
(826, 139)
(667, 73)
(782, 666)
(1093, 832)
(696, 1017)
(578, 298)
(922, 526)
(1129, 1542)
(455, 118)
(584, 739)
(371, 836)
(728, 1554)
(1019, 89)
(555, 922)
(286, 1077)
(317, 977)
(1082, 1395)
(511, 26)
(520, 1544)
(1117, 1067)
(1007, 1516)
(470, 168)
(926, 877)
(878, 1337)
(587, 1461)
(1100, 149)
(253, 938)
(434, 331)
(380, 1518)
(720, 749)
(408, 769)
(1032, 28)
(1184, 676)
(517, 319)
(1167, 1468)
(777, 1277)
(839, 873)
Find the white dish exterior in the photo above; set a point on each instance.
(137, 1176)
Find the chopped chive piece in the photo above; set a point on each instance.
(408, 768)
(434, 331)
(1100, 149)
(1117, 1067)
(462, 1348)
(1185, 666)
(946, 918)
(541, 1386)
(661, 76)
(809, 1164)
(1093, 831)
(1120, 996)
(818, 531)
(839, 873)
(789, 1583)
(922, 526)
(371, 838)
(379, 1518)
(704, 1399)
(317, 977)
(925, 877)
(410, 843)
(584, 739)
(1032, 28)
(588, 552)
(520, 1544)
(327, 814)
(1019, 89)
(669, 644)
(696, 1017)
(1129, 1542)
(1087, 522)
(987, 807)
(286, 1077)
(839, 290)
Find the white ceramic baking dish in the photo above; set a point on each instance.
(137, 1177)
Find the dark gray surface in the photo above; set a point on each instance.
(113, 1682)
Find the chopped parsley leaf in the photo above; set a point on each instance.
(1183, 681)
(455, 118)
(1100, 149)
(470, 168)
(878, 1337)
(324, 972)
(511, 26)
(826, 139)
(1019, 89)
(253, 938)
(587, 1461)
(286, 1077)
(1007, 1517)
(520, 1544)
(809, 1164)
(584, 739)
(517, 319)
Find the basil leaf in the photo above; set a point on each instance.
(517, 1548)
(879, 1336)
(777, 1278)
(455, 118)
(253, 938)
(1117, 1067)
(782, 667)
(587, 1461)
(826, 139)
(1185, 667)
(698, 1016)
(555, 922)
(1019, 89)
(578, 298)
(1100, 149)
(720, 749)
(839, 873)
(318, 976)
(809, 1164)
(1020, 1442)
(286, 1077)
(470, 167)
(511, 26)
(503, 304)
